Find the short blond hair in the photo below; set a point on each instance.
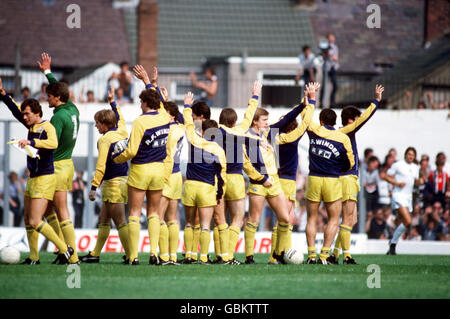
(106, 117)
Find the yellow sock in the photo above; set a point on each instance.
(345, 232)
(224, 237)
(195, 242)
(249, 237)
(53, 221)
(174, 233)
(232, 241)
(153, 233)
(282, 238)
(33, 237)
(134, 228)
(46, 230)
(216, 239)
(273, 244)
(122, 229)
(324, 253)
(102, 236)
(337, 245)
(312, 252)
(69, 236)
(163, 242)
(205, 239)
(290, 236)
(188, 240)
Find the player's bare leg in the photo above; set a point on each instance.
(32, 235)
(334, 213)
(405, 221)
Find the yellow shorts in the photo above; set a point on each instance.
(327, 189)
(272, 191)
(64, 172)
(235, 187)
(172, 189)
(41, 187)
(198, 194)
(115, 190)
(148, 176)
(289, 188)
(350, 187)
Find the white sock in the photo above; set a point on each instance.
(398, 233)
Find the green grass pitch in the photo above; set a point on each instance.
(402, 276)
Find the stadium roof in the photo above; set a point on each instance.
(40, 25)
(407, 72)
(191, 31)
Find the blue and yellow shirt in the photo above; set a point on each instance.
(42, 136)
(106, 168)
(206, 160)
(330, 151)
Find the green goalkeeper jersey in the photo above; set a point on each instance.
(66, 120)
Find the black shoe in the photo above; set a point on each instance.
(279, 258)
(249, 260)
(186, 261)
(28, 261)
(311, 261)
(218, 260)
(124, 258)
(126, 262)
(391, 250)
(173, 263)
(349, 261)
(134, 262)
(233, 262)
(323, 262)
(153, 260)
(332, 260)
(162, 262)
(90, 259)
(63, 259)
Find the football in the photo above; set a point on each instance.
(120, 146)
(9, 255)
(293, 257)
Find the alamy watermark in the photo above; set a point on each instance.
(73, 21)
(374, 279)
(374, 19)
(74, 279)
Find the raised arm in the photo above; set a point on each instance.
(252, 106)
(45, 67)
(12, 105)
(121, 127)
(310, 92)
(368, 113)
(191, 136)
(298, 132)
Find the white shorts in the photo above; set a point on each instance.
(401, 201)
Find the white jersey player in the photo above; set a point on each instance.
(403, 175)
